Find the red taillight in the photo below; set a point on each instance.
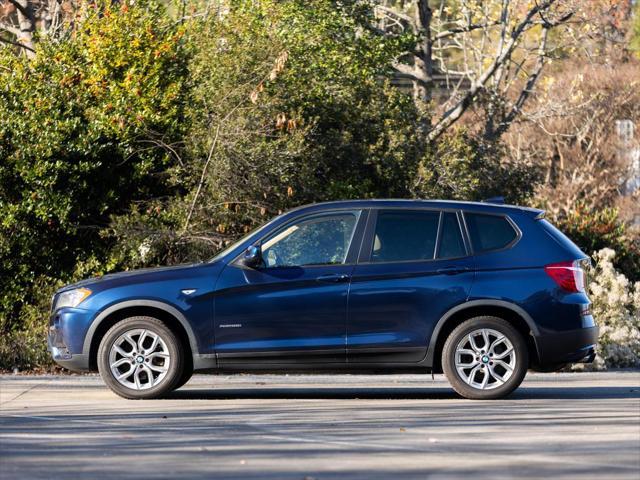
(568, 275)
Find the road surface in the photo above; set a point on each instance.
(560, 426)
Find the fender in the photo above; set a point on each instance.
(140, 303)
(428, 361)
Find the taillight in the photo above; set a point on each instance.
(568, 275)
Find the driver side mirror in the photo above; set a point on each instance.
(252, 257)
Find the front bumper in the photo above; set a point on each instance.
(567, 347)
(60, 352)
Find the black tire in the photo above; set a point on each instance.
(187, 373)
(496, 389)
(172, 345)
(549, 368)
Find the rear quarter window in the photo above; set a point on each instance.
(489, 232)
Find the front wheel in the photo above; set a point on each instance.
(485, 358)
(139, 358)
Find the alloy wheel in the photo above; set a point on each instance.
(485, 359)
(139, 359)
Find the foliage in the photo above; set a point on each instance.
(595, 230)
(78, 127)
(616, 306)
(130, 138)
(635, 33)
(290, 105)
(465, 167)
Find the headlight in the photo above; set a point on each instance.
(72, 298)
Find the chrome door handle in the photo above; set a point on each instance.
(333, 278)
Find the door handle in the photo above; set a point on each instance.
(452, 270)
(333, 278)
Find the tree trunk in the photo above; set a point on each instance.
(27, 26)
(422, 58)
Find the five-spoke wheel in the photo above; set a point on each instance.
(484, 358)
(140, 357)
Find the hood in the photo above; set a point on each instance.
(131, 275)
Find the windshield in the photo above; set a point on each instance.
(237, 243)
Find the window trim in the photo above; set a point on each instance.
(508, 246)
(361, 215)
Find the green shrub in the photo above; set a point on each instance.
(594, 230)
(464, 167)
(79, 126)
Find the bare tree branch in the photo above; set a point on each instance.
(469, 28)
(452, 115)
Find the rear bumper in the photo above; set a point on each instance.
(567, 347)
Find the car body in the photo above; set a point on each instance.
(363, 285)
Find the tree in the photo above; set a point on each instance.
(22, 22)
(290, 105)
(80, 126)
(480, 51)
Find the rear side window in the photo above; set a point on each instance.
(489, 232)
(405, 235)
(451, 243)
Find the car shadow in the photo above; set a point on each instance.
(392, 393)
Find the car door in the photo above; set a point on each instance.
(414, 266)
(293, 309)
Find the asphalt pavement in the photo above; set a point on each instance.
(556, 426)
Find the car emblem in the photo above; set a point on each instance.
(188, 291)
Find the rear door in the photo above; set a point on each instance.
(413, 267)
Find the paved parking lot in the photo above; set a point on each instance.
(322, 427)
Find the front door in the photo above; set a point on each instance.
(413, 268)
(292, 309)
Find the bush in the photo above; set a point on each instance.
(290, 104)
(595, 230)
(79, 128)
(464, 167)
(616, 309)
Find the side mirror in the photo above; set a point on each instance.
(252, 257)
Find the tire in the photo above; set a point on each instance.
(149, 358)
(549, 368)
(187, 373)
(488, 357)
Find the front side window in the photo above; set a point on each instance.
(319, 240)
(489, 232)
(405, 236)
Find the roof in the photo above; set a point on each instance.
(405, 203)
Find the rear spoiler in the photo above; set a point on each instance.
(534, 212)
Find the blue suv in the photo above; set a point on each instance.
(479, 291)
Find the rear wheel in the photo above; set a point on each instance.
(140, 357)
(485, 358)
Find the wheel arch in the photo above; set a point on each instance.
(508, 311)
(168, 314)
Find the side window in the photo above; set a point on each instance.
(320, 240)
(405, 235)
(489, 232)
(451, 243)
